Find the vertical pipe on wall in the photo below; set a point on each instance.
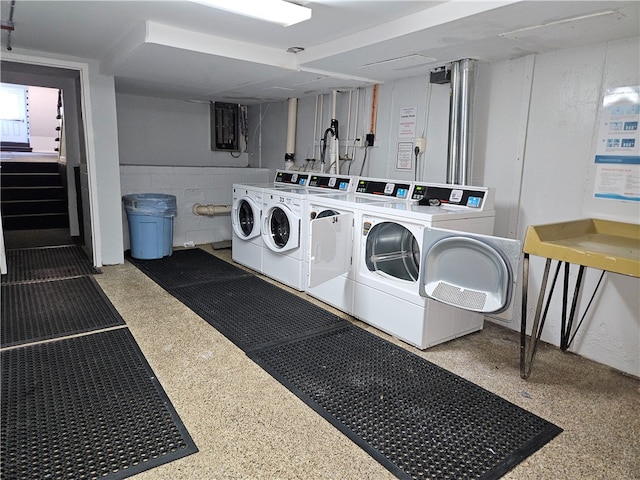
(453, 160)
(335, 154)
(290, 151)
(460, 122)
(315, 130)
(320, 116)
(467, 70)
(346, 143)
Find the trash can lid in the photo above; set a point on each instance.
(159, 204)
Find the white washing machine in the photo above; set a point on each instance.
(246, 215)
(247, 244)
(285, 226)
(390, 237)
(332, 251)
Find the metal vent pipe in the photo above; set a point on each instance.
(460, 122)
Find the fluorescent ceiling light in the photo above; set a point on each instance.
(276, 11)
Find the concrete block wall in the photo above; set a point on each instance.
(190, 185)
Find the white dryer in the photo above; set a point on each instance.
(390, 238)
(246, 215)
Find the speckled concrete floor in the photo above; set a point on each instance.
(247, 426)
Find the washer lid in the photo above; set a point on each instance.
(470, 271)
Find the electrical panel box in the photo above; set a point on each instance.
(225, 126)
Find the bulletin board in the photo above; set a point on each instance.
(617, 158)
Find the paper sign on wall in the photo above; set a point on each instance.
(618, 150)
(407, 122)
(404, 156)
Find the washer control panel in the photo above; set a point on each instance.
(330, 182)
(385, 188)
(461, 195)
(292, 178)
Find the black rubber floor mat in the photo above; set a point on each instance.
(187, 267)
(417, 419)
(44, 310)
(88, 407)
(47, 263)
(252, 312)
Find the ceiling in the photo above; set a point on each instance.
(185, 50)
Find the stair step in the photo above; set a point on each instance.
(34, 222)
(29, 167)
(33, 193)
(31, 179)
(26, 207)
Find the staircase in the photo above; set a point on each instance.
(33, 195)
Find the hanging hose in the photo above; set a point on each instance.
(324, 146)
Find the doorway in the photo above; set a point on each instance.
(61, 165)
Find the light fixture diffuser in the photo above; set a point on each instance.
(276, 11)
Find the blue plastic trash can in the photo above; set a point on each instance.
(150, 219)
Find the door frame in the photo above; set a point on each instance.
(87, 121)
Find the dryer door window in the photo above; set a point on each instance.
(281, 229)
(392, 250)
(245, 218)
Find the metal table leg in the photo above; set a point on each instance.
(528, 352)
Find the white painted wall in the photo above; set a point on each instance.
(541, 121)
(165, 147)
(157, 131)
(354, 115)
(535, 125)
(43, 103)
(190, 185)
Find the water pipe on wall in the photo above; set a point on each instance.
(290, 151)
(211, 210)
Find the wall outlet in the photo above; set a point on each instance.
(421, 143)
(359, 142)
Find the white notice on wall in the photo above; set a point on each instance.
(407, 122)
(404, 156)
(618, 150)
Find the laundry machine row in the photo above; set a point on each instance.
(383, 283)
(363, 245)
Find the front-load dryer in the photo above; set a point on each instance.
(246, 216)
(390, 238)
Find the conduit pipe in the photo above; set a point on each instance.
(335, 142)
(290, 151)
(460, 122)
(211, 210)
